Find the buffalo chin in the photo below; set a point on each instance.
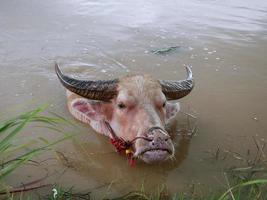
(154, 156)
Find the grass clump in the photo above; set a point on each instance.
(11, 156)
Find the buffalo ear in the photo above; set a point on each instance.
(171, 110)
(91, 112)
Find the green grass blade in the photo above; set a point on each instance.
(248, 183)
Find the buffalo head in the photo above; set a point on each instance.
(133, 106)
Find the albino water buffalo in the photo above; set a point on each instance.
(134, 108)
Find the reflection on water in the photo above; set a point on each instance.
(224, 42)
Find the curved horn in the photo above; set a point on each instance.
(103, 90)
(177, 89)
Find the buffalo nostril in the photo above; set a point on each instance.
(166, 139)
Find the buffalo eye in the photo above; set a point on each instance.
(121, 106)
(164, 104)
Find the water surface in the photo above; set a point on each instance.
(224, 41)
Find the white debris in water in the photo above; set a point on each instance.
(210, 52)
(205, 49)
(216, 70)
(146, 51)
(214, 51)
(133, 60)
(255, 118)
(103, 70)
(218, 58)
(206, 58)
(234, 68)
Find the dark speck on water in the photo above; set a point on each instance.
(165, 51)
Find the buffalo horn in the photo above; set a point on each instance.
(102, 90)
(177, 89)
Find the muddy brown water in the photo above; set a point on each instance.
(225, 42)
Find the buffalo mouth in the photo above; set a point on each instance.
(152, 155)
(156, 150)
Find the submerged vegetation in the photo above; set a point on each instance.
(248, 181)
(250, 190)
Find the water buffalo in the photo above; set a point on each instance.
(133, 108)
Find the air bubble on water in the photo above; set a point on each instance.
(218, 58)
(163, 37)
(163, 30)
(105, 64)
(255, 118)
(206, 58)
(234, 68)
(205, 49)
(210, 52)
(146, 51)
(16, 95)
(158, 64)
(190, 48)
(216, 70)
(103, 70)
(77, 41)
(31, 94)
(214, 51)
(133, 60)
